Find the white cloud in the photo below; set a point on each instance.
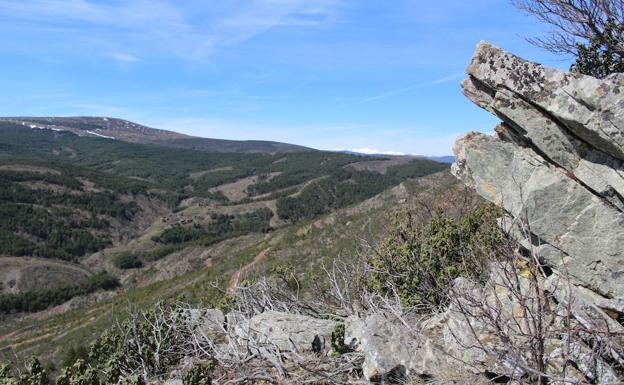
(122, 57)
(442, 80)
(186, 29)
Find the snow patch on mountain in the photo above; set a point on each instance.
(100, 135)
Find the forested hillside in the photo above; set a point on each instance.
(115, 216)
(126, 131)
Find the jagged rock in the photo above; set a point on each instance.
(491, 328)
(233, 319)
(582, 304)
(556, 162)
(209, 323)
(529, 126)
(355, 329)
(391, 350)
(488, 329)
(483, 327)
(556, 167)
(575, 229)
(592, 109)
(287, 332)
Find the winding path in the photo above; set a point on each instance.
(235, 280)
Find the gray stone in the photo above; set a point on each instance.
(209, 322)
(592, 109)
(582, 305)
(393, 351)
(529, 126)
(577, 230)
(490, 329)
(287, 332)
(232, 319)
(355, 329)
(556, 165)
(470, 335)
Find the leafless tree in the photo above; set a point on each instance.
(576, 22)
(534, 320)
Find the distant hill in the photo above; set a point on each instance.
(440, 159)
(443, 159)
(65, 196)
(123, 130)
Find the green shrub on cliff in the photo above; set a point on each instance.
(597, 58)
(419, 263)
(200, 374)
(591, 31)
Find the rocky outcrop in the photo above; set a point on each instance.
(556, 164)
(391, 350)
(491, 328)
(587, 109)
(288, 332)
(208, 323)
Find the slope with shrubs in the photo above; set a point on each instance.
(151, 217)
(449, 236)
(300, 249)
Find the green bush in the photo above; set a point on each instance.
(160, 253)
(179, 234)
(337, 340)
(149, 341)
(34, 374)
(599, 59)
(79, 373)
(199, 375)
(420, 262)
(126, 261)
(74, 354)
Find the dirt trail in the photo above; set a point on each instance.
(234, 281)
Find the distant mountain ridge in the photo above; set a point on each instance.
(440, 159)
(443, 159)
(126, 131)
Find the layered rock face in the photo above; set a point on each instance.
(556, 164)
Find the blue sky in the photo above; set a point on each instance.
(330, 74)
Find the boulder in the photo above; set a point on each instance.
(591, 109)
(208, 323)
(574, 229)
(485, 329)
(287, 332)
(392, 350)
(584, 307)
(529, 126)
(555, 165)
(491, 329)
